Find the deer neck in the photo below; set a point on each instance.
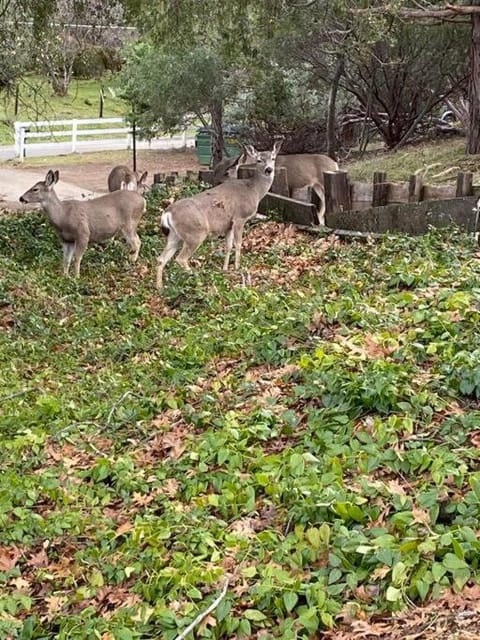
(261, 184)
(54, 208)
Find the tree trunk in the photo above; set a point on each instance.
(473, 137)
(332, 146)
(216, 112)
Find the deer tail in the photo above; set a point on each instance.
(166, 222)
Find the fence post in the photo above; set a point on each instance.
(74, 136)
(21, 146)
(415, 188)
(280, 182)
(16, 138)
(337, 192)
(380, 188)
(464, 184)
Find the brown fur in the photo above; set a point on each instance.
(222, 210)
(123, 178)
(83, 222)
(306, 170)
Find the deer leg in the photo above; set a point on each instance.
(133, 241)
(237, 236)
(229, 245)
(68, 250)
(188, 250)
(80, 248)
(167, 254)
(320, 191)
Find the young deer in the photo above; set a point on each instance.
(82, 222)
(122, 178)
(303, 170)
(222, 210)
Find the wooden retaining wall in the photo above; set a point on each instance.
(378, 207)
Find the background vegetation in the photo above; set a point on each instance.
(36, 102)
(326, 75)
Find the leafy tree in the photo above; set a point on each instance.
(48, 35)
(425, 12)
(205, 51)
(69, 31)
(169, 89)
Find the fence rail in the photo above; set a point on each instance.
(50, 131)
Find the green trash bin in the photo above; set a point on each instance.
(203, 143)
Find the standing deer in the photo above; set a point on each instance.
(303, 170)
(306, 170)
(82, 222)
(121, 177)
(222, 210)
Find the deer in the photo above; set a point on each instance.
(79, 223)
(121, 177)
(306, 170)
(221, 210)
(303, 170)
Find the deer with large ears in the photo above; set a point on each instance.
(83, 222)
(303, 170)
(222, 210)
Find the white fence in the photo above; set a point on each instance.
(65, 134)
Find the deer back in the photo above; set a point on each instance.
(305, 169)
(122, 178)
(106, 215)
(214, 210)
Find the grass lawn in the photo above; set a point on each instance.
(308, 434)
(38, 102)
(445, 156)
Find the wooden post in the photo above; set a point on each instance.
(171, 180)
(380, 187)
(206, 175)
(280, 182)
(464, 185)
(337, 192)
(245, 172)
(415, 188)
(158, 178)
(314, 198)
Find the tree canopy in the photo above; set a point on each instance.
(370, 50)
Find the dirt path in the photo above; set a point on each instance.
(94, 174)
(81, 177)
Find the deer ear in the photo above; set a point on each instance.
(277, 145)
(143, 177)
(51, 178)
(250, 149)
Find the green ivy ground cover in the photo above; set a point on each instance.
(307, 430)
